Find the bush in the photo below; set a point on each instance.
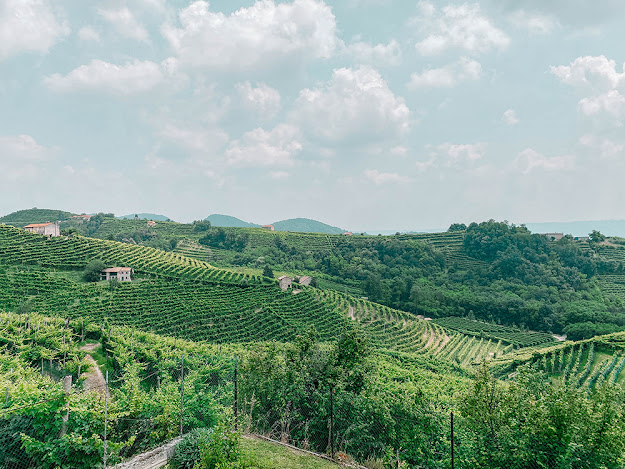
(93, 269)
(187, 452)
(221, 450)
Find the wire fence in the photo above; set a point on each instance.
(105, 423)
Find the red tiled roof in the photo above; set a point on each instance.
(37, 225)
(117, 269)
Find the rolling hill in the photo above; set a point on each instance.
(22, 218)
(306, 225)
(229, 222)
(144, 216)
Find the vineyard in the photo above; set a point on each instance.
(19, 247)
(36, 215)
(584, 364)
(507, 335)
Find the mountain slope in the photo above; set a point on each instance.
(306, 225)
(227, 221)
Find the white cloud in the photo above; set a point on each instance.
(253, 37)
(463, 70)
(529, 159)
(132, 77)
(455, 153)
(355, 106)
(380, 54)
(28, 26)
(606, 148)
(87, 33)
(261, 148)
(611, 102)
(535, 23)
(378, 178)
(23, 148)
(262, 99)
(590, 71)
(510, 117)
(125, 23)
(462, 26)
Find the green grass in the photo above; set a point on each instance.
(262, 454)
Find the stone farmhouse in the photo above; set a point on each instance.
(268, 227)
(47, 229)
(120, 273)
(305, 280)
(285, 282)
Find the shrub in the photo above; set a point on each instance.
(221, 450)
(187, 452)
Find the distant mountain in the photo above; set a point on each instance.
(22, 218)
(144, 216)
(580, 228)
(306, 225)
(228, 221)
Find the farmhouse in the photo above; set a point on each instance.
(151, 223)
(285, 282)
(348, 233)
(47, 229)
(82, 217)
(268, 227)
(553, 236)
(120, 273)
(305, 280)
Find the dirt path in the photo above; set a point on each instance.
(95, 379)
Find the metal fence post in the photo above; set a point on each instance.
(452, 439)
(236, 394)
(106, 408)
(181, 391)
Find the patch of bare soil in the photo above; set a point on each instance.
(95, 379)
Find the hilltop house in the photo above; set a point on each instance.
(47, 229)
(120, 273)
(553, 236)
(151, 223)
(305, 280)
(268, 227)
(82, 217)
(285, 282)
(348, 233)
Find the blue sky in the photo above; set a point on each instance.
(365, 114)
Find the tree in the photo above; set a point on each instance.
(201, 225)
(267, 272)
(457, 227)
(596, 237)
(92, 270)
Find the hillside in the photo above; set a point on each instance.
(22, 218)
(581, 228)
(144, 216)
(306, 225)
(228, 221)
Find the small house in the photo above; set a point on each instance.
(151, 223)
(82, 217)
(348, 233)
(47, 229)
(582, 239)
(554, 236)
(285, 282)
(268, 227)
(304, 280)
(120, 273)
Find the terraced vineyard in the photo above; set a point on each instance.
(507, 335)
(20, 247)
(613, 285)
(584, 364)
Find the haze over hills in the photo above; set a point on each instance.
(144, 216)
(227, 221)
(298, 225)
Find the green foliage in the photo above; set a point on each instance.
(221, 450)
(93, 270)
(200, 226)
(457, 227)
(187, 452)
(267, 272)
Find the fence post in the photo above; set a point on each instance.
(452, 439)
(332, 421)
(106, 408)
(236, 394)
(67, 388)
(181, 391)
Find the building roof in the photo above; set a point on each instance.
(267, 226)
(304, 277)
(117, 269)
(284, 277)
(37, 225)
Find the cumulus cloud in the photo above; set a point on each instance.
(125, 23)
(366, 53)
(131, 78)
(462, 26)
(590, 71)
(354, 106)
(262, 99)
(255, 36)
(612, 102)
(463, 70)
(534, 23)
(24, 148)
(606, 148)
(510, 117)
(529, 160)
(455, 153)
(28, 26)
(377, 178)
(261, 148)
(87, 33)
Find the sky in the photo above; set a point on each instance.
(364, 114)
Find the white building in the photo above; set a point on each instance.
(285, 282)
(47, 229)
(120, 273)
